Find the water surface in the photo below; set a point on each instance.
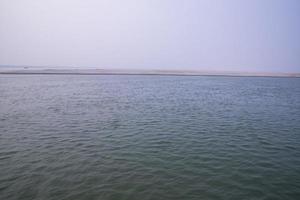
(149, 137)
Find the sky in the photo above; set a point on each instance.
(209, 35)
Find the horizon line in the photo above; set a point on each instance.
(39, 70)
(146, 70)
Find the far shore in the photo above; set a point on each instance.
(77, 71)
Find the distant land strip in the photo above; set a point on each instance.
(35, 71)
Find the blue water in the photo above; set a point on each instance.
(149, 137)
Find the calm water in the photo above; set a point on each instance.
(149, 137)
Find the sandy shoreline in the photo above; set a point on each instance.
(34, 71)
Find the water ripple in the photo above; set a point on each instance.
(149, 137)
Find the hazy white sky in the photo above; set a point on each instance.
(242, 35)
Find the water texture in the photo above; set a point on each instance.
(149, 137)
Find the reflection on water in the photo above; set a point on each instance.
(149, 137)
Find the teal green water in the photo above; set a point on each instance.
(149, 137)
